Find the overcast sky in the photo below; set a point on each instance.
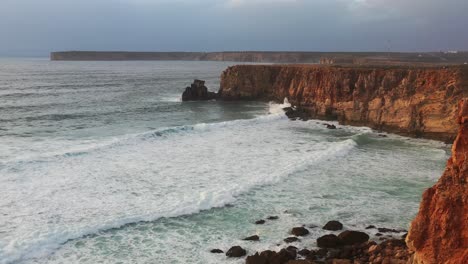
(36, 27)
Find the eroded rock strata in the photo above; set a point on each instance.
(429, 102)
(439, 233)
(411, 101)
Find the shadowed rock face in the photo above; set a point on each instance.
(414, 101)
(439, 233)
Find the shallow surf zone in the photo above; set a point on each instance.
(49, 199)
(84, 206)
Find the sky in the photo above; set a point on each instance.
(37, 27)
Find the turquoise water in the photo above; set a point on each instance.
(100, 162)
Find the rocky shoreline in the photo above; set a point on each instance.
(340, 246)
(427, 102)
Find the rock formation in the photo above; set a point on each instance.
(413, 101)
(198, 92)
(439, 233)
(417, 101)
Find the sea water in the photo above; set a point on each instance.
(101, 162)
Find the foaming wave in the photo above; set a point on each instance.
(275, 108)
(181, 174)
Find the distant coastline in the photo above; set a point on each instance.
(268, 57)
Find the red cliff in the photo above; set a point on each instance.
(439, 233)
(415, 101)
(423, 101)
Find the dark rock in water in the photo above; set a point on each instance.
(236, 252)
(371, 227)
(387, 230)
(273, 217)
(331, 126)
(260, 222)
(198, 92)
(383, 135)
(333, 226)
(252, 238)
(329, 241)
(272, 257)
(291, 239)
(256, 259)
(321, 252)
(304, 252)
(293, 248)
(379, 234)
(296, 113)
(285, 255)
(350, 237)
(216, 251)
(299, 231)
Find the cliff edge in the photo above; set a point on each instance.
(412, 101)
(439, 233)
(430, 102)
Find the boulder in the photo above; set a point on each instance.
(329, 241)
(296, 113)
(216, 251)
(197, 91)
(299, 231)
(236, 252)
(304, 252)
(256, 259)
(333, 226)
(260, 222)
(350, 237)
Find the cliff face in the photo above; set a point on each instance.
(410, 101)
(429, 102)
(439, 233)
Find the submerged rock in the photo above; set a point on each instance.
(291, 239)
(260, 222)
(252, 238)
(236, 252)
(333, 226)
(216, 251)
(299, 231)
(197, 91)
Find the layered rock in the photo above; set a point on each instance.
(414, 101)
(198, 92)
(439, 233)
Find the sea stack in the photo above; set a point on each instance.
(197, 91)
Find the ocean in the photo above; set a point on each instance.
(101, 162)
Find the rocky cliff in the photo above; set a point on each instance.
(439, 233)
(414, 101)
(424, 101)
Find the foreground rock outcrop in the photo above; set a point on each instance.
(439, 234)
(413, 101)
(197, 91)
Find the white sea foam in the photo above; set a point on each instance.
(143, 177)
